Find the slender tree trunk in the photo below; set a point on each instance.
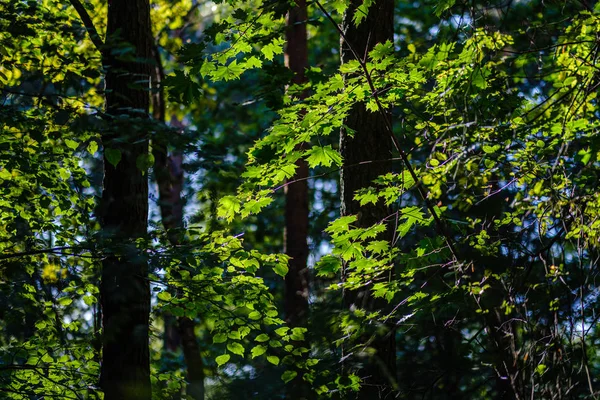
(296, 196)
(193, 358)
(296, 207)
(169, 176)
(371, 142)
(124, 290)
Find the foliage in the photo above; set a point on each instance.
(488, 280)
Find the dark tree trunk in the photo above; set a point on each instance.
(168, 170)
(124, 290)
(193, 359)
(296, 195)
(296, 206)
(371, 142)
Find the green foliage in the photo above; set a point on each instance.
(487, 278)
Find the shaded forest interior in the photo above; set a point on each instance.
(344, 199)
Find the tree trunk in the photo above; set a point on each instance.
(193, 359)
(296, 206)
(168, 170)
(296, 196)
(124, 290)
(371, 142)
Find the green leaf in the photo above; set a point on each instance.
(323, 156)
(228, 207)
(340, 6)
(586, 155)
(258, 350)
(341, 224)
(382, 50)
(263, 337)
(164, 296)
(71, 144)
(311, 362)
(220, 338)
(64, 174)
(411, 216)
(328, 265)
(208, 67)
(540, 369)
(490, 149)
(361, 12)
(288, 376)
(182, 88)
(92, 147)
(367, 196)
(275, 47)
(222, 359)
(89, 300)
(298, 333)
(282, 331)
(254, 62)
(144, 161)
(273, 360)
(113, 156)
(235, 348)
(443, 5)
(5, 174)
(281, 268)
(350, 66)
(254, 315)
(378, 246)
(65, 301)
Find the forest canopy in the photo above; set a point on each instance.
(347, 199)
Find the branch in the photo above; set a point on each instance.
(55, 250)
(89, 25)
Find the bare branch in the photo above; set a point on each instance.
(89, 25)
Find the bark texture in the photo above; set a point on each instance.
(296, 204)
(168, 169)
(371, 142)
(124, 290)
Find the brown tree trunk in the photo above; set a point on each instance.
(168, 170)
(296, 196)
(124, 290)
(193, 359)
(296, 207)
(371, 142)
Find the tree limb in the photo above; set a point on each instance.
(89, 25)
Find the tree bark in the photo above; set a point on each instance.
(124, 290)
(371, 142)
(168, 171)
(296, 205)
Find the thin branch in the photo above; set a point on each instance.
(55, 250)
(89, 25)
